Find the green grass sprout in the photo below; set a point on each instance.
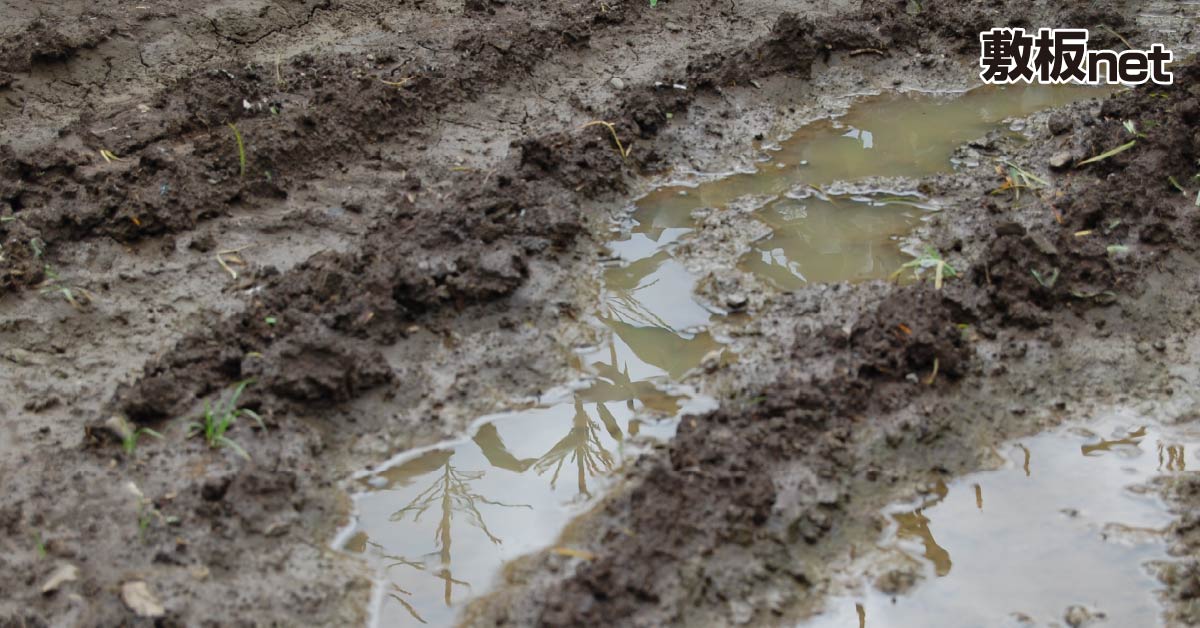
(930, 259)
(237, 135)
(217, 421)
(1105, 155)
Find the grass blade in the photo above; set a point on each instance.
(1102, 156)
(237, 135)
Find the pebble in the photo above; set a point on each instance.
(64, 574)
(1059, 123)
(1043, 244)
(1078, 616)
(617, 83)
(1060, 160)
(140, 600)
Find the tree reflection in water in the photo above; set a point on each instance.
(582, 447)
(448, 494)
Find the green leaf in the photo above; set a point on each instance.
(1046, 282)
(237, 449)
(254, 415)
(1102, 156)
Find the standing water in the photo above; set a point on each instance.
(437, 524)
(1066, 529)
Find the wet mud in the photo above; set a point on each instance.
(399, 223)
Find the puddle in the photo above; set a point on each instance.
(438, 523)
(817, 236)
(1068, 520)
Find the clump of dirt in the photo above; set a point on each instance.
(1182, 578)
(39, 42)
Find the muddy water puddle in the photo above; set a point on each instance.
(437, 524)
(820, 235)
(1067, 527)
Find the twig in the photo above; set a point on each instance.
(611, 129)
(235, 260)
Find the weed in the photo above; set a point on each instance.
(1105, 155)
(930, 259)
(108, 156)
(1176, 185)
(147, 512)
(1047, 281)
(130, 440)
(241, 147)
(231, 257)
(216, 421)
(401, 83)
(1101, 296)
(1017, 178)
(933, 375)
(1131, 128)
(624, 152)
(53, 284)
(39, 544)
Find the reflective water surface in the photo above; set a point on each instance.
(438, 523)
(817, 236)
(1066, 522)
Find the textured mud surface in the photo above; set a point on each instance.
(386, 216)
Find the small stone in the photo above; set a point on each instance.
(711, 361)
(673, 27)
(896, 581)
(1160, 345)
(1078, 616)
(1060, 160)
(140, 600)
(736, 301)
(1009, 228)
(64, 574)
(1059, 123)
(617, 83)
(1043, 244)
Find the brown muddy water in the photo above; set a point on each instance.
(1068, 526)
(437, 524)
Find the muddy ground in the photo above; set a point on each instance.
(411, 239)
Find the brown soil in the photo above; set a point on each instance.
(409, 242)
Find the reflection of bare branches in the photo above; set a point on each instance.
(1132, 439)
(1174, 460)
(451, 492)
(582, 445)
(403, 602)
(915, 524)
(625, 307)
(398, 561)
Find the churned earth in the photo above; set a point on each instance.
(390, 218)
